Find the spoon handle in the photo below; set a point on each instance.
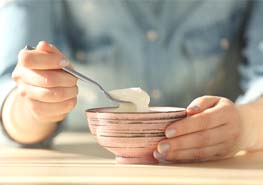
(83, 78)
(87, 79)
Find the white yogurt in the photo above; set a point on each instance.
(139, 99)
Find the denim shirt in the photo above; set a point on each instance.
(175, 50)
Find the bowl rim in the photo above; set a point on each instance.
(96, 110)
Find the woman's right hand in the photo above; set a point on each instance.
(48, 93)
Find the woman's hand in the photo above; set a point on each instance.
(48, 92)
(43, 97)
(210, 132)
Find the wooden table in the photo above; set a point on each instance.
(77, 159)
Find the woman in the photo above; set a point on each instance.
(174, 50)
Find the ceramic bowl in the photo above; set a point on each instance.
(132, 136)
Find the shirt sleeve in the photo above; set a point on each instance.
(24, 23)
(252, 70)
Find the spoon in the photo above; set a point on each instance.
(85, 79)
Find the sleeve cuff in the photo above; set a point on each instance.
(7, 87)
(254, 92)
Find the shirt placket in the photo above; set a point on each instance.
(148, 24)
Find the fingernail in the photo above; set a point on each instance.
(64, 63)
(194, 108)
(158, 155)
(170, 132)
(27, 47)
(164, 147)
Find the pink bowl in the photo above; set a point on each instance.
(132, 136)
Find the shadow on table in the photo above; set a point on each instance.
(93, 150)
(84, 149)
(247, 161)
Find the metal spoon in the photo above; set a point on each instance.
(85, 79)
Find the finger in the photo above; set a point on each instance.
(202, 103)
(42, 110)
(49, 95)
(54, 119)
(34, 59)
(210, 118)
(45, 78)
(195, 140)
(197, 154)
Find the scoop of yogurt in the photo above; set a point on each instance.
(139, 99)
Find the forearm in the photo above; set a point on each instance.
(21, 125)
(252, 83)
(251, 125)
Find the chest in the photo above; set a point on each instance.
(151, 44)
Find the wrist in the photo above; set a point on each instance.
(20, 124)
(251, 116)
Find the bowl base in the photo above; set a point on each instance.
(136, 160)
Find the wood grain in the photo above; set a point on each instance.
(77, 159)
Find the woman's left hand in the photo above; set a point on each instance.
(210, 131)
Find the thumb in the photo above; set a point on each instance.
(49, 48)
(201, 103)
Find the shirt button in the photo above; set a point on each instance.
(81, 55)
(88, 7)
(156, 94)
(224, 43)
(152, 35)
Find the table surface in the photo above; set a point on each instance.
(76, 158)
